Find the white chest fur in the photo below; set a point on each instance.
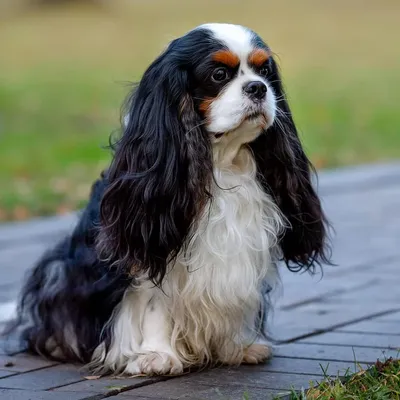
(214, 289)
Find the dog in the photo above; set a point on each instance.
(208, 190)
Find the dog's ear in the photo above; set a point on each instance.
(159, 176)
(286, 174)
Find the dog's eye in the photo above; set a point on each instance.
(263, 71)
(220, 75)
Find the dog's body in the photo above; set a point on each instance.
(208, 189)
(227, 257)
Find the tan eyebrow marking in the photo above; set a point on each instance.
(226, 57)
(258, 57)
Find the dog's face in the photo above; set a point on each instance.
(231, 84)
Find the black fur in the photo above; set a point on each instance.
(285, 172)
(162, 165)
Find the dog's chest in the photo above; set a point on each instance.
(232, 229)
(231, 244)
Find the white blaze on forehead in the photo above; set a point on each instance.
(236, 37)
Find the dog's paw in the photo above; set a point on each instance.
(256, 354)
(155, 363)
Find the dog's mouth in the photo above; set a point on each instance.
(253, 116)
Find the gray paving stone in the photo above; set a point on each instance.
(326, 295)
(352, 178)
(395, 317)
(14, 262)
(132, 396)
(216, 378)
(4, 373)
(364, 203)
(356, 339)
(324, 292)
(44, 379)
(370, 300)
(24, 363)
(225, 393)
(333, 311)
(36, 229)
(251, 377)
(9, 346)
(172, 389)
(233, 393)
(334, 353)
(388, 265)
(326, 315)
(334, 282)
(304, 366)
(8, 291)
(191, 388)
(291, 325)
(106, 385)
(374, 327)
(9, 394)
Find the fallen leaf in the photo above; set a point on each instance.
(9, 364)
(3, 215)
(63, 209)
(20, 213)
(319, 162)
(92, 377)
(116, 387)
(60, 185)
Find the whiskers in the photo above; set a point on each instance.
(283, 117)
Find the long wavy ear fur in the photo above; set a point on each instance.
(285, 172)
(158, 179)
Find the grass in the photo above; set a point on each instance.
(63, 74)
(380, 382)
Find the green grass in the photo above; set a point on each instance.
(55, 141)
(380, 382)
(62, 72)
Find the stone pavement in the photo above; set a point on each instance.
(326, 322)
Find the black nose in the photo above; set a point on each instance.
(255, 90)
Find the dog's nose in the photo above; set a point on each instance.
(256, 90)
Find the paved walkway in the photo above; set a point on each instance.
(352, 312)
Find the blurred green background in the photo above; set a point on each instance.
(65, 68)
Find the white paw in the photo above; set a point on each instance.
(155, 363)
(256, 353)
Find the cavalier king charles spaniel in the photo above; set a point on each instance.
(208, 189)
